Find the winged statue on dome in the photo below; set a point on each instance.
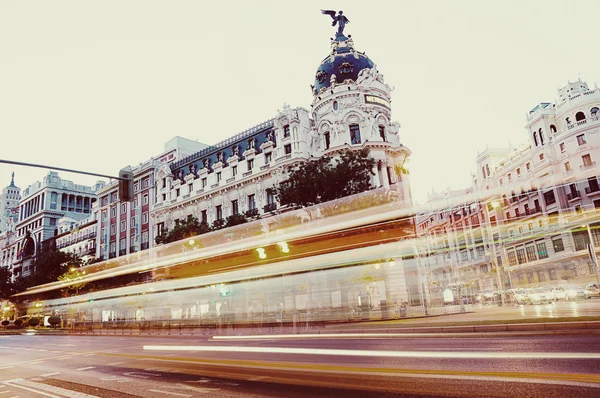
(340, 19)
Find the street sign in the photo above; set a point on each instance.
(592, 254)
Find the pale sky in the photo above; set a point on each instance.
(101, 85)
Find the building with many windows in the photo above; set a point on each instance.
(126, 227)
(9, 205)
(540, 203)
(351, 109)
(77, 237)
(42, 205)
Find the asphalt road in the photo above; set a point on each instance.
(104, 366)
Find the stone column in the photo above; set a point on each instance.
(385, 176)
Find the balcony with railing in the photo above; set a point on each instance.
(122, 252)
(270, 207)
(112, 255)
(573, 195)
(588, 166)
(145, 246)
(592, 189)
(252, 213)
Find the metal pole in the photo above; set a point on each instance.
(495, 256)
(41, 166)
(593, 251)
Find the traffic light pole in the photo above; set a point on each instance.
(41, 166)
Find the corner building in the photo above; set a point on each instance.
(351, 110)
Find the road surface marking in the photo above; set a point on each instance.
(114, 363)
(61, 358)
(258, 378)
(45, 389)
(87, 368)
(50, 374)
(6, 367)
(171, 393)
(379, 353)
(115, 378)
(142, 375)
(4, 392)
(87, 355)
(36, 361)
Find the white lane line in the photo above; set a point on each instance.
(34, 362)
(46, 390)
(61, 358)
(50, 374)
(171, 393)
(87, 368)
(87, 355)
(4, 392)
(379, 353)
(114, 363)
(6, 367)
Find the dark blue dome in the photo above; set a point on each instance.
(346, 64)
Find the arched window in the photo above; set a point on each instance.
(580, 116)
(382, 132)
(541, 137)
(553, 128)
(535, 141)
(594, 111)
(355, 134)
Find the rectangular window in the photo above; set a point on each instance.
(528, 166)
(518, 172)
(177, 192)
(500, 182)
(327, 140)
(541, 156)
(190, 188)
(123, 208)
(136, 187)
(587, 161)
(268, 158)
(122, 244)
(250, 164)
(286, 131)
(521, 256)
(146, 199)
(562, 146)
(567, 166)
(581, 239)
(287, 149)
(145, 238)
(132, 222)
(123, 225)
(382, 132)
(581, 139)
(542, 251)
(219, 212)
(204, 216)
(557, 244)
(146, 183)
(509, 177)
(145, 218)
(233, 171)
(114, 197)
(531, 253)
(355, 134)
(512, 258)
(251, 202)
(160, 228)
(113, 212)
(204, 182)
(549, 198)
(270, 196)
(218, 177)
(234, 207)
(113, 229)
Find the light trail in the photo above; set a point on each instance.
(379, 353)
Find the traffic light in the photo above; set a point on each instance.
(125, 185)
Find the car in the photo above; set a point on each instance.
(519, 296)
(539, 296)
(568, 292)
(593, 290)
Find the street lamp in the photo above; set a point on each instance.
(593, 251)
(495, 205)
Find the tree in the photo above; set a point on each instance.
(7, 288)
(51, 265)
(74, 276)
(327, 178)
(235, 219)
(183, 229)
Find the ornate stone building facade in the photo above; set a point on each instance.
(9, 206)
(540, 198)
(351, 110)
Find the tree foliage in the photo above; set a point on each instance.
(183, 229)
(327, 178)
